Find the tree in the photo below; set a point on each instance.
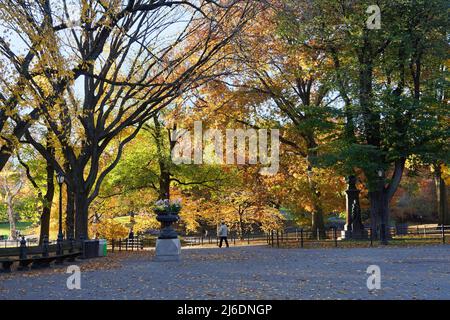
(388, 115)
(28, 41)
(45, 199)
(147, 165)
(441, 178)
(128, 72)
(278, 84)
(12, 182)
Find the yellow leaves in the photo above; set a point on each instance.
(445, 174)
(144, 223)
(110, 229)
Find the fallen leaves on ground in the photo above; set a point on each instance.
(111, 261)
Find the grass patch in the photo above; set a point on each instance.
(21, 226)
(123, 220)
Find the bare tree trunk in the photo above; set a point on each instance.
(47, 200)
(164, 182)
(81, 215)
(241, 226)
(164, 172)
(374, 213)
(379, 214)
(11, 217)
(381, 198)
(47, 203)
(7, 149)
(70, 213)
(4, 157)
(441, 194)
(384, 216)
(317, 220)
(70, 206)
(443, 204)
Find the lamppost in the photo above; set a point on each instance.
(315, 224)
(382, 214)
(59, 241)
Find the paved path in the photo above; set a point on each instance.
(254, 273)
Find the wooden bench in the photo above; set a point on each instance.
(36, 262)
(24, 263)
(6, 265)
(70, 257)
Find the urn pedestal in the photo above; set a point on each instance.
(168, 250)
(168, 246)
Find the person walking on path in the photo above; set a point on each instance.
(223, 234)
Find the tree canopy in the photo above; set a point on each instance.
(97, 89)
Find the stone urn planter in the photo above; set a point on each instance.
(168, 246)
(166, 220)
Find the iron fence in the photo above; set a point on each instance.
(332, 236)
(293, 237)
(16, 243)
(301, 237)
(135, 244)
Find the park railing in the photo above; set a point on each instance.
(32, 247)
(301, 238)
(233, 239)
(332, 236)
(135, 244)
(16, 243)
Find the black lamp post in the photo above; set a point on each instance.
(381, 208)
(59, 241)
